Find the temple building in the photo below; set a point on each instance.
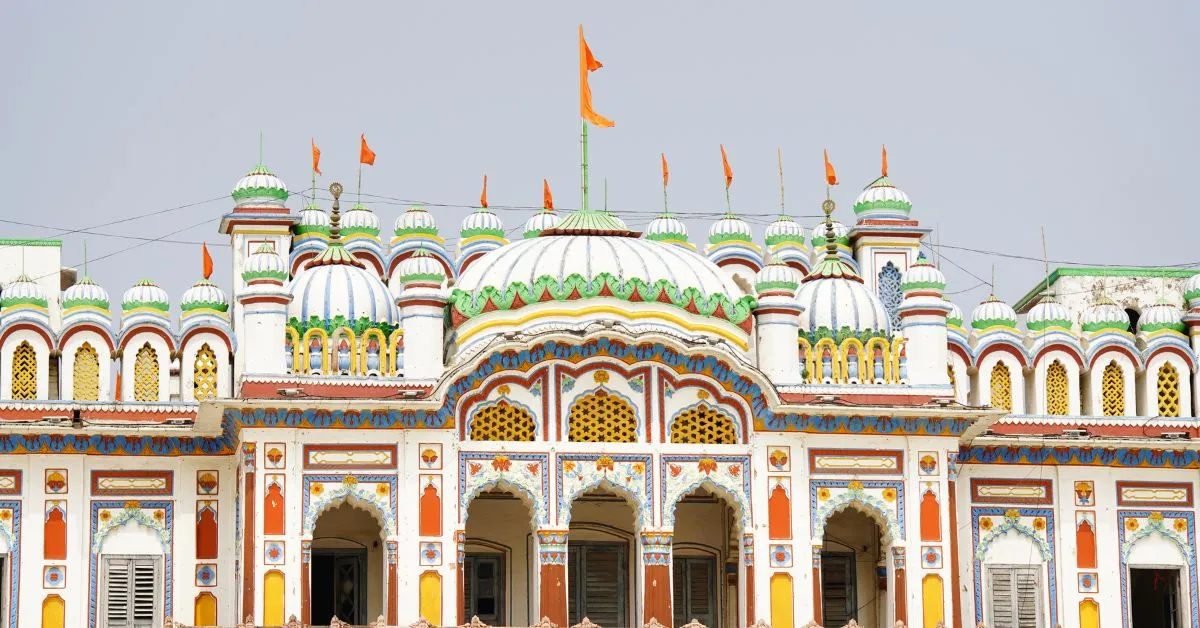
(595, 422)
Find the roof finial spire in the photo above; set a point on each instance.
(260, 148)
(335, 216)
(828, 206)
(85, 260)
(666, 175)
(993, 284)
(779, 158)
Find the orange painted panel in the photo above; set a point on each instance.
(431, 512)
(779, 514)
(1085, 546)
(206, 534)
(931, 517)
(54, 545)
(273, 520)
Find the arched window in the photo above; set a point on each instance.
(24, 372)
(1168, 390)
(602, 417)
(145, 374)
(703, 424)
(1112, 390)
(890, 293)
(503, 421)
(1058, 392)
(1001, 383)
(204, 373)
(85, 378)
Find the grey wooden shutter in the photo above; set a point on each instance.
(1015, 597)
(604, 585)
(1028, 597)
(679, 591)
(117, 593)
(146, 581)
(132, 592)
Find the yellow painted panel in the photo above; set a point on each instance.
(781, 601)
(431, 597)
(932, 600)
(206, 610)
(54, 612)
(273, 598)
(1089, 614)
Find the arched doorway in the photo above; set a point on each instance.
(853, 571)
(602, 583)
(499, 572)
(705, 546)
(347, 567)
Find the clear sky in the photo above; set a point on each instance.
(999, 118)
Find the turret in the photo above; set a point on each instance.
(264, 303)
(778, 323)
(923, 318)
(422, 304)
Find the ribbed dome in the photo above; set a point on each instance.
(955, 317)
(923, 276)
(416, 220)
(776, 277)
(1047, 313)
(540, 222)
(841, 234)
(340, 288)
(203, 295)
(729, 228)
(616, 219)
(359, 221)
(1104, 315)
(145, 294)
(993, 312)
(1162, 315)
(882, 200)
(312, 220)
(1191, 290)
(668, 228)
(482, 222)
(265, 263)
(260, 188)
(833, 304)
(85, 293)
(784, 230)
(23, 291)
(420, 267)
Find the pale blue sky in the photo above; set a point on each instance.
(999, 118)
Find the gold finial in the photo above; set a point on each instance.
(335, 215)
(828, 206)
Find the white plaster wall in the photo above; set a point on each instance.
(962, 377)
(40, 348)
(66, 374)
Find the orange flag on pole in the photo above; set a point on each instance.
(588, 63)
(365, 154)
(316, 157)
(666, 173)
(547, 200)
(208, 264)
(728, 170)
(884, 168)
(830, 175)
(483, 195)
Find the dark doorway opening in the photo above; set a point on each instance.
(483, 588)
(339, 586)
(839, 587)
(1154, 598)
(1133, 319)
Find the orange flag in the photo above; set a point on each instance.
(728, 170)
(830, 175)
(483, 195)
(884, 169)
(365, 154)
(588, 63)
(666, 173)
(208, 265)
(316, 157)
(547, 200)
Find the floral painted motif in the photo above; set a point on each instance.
(626, 474)
(528, 479)
(883, 500)
(778, 459)
(724, 475)
(324, 491)
(501, 463)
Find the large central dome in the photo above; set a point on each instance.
(563, 278)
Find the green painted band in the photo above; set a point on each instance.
(154, 305)
(15, 301)
(251, 275)
(29, 242)
(204, 305)
(468, 233)
(993, 322)
(100, 303)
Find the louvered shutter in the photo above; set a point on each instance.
(145, 592)
(679, 591)
(603, 582)
(1028, 597)
(117, 594)
(700, 586)
(1015, 597)
(132, 592)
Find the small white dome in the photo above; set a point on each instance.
(666, 228)
(313, 218)
(260, 188)
(1161, 315)
(1047, 313)
(420, 267)
(834, 304)
(336, 285)
(23, 291)
(776, 277)
(203, 295)
(359, 221)
(540, 222)
(883, 200)
(1191, 290)
(993, 312)
(265, 263)
(955, 317)
(145, 294)
(841, 233)
(416, 220)
(784, 230)
(482, 222)
(729, 228)
(85, 293)
(1104, 315)
(923, 276)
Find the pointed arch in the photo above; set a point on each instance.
(206, 532)
(704, 424)
(779, 513)
(1085, 544)
(146, 374)
(430, 511)
(890, 294)
(85, 370)
(1112, 390)
(1058, 390)
(869, 505)
(1167, 385)
(602, 416)
(205, 373)
(54, 534)
(273, 507)
(24, 372)
(1000, 381)
(931, 516)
